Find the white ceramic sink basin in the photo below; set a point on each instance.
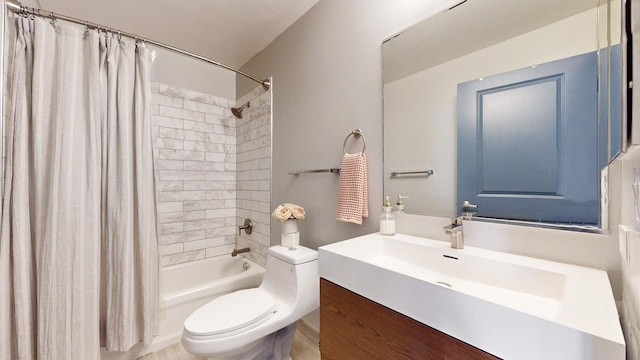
(511, 306)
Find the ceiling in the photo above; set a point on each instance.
(229, 31)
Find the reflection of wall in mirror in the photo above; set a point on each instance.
(420, 110)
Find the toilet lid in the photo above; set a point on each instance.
(231, 312)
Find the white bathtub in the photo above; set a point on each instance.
(186, 287)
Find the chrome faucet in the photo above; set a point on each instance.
(235, 252)
(468, 210)
(455, 231)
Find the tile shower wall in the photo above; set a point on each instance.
(212, 172)
(195, 161)
(253, 172)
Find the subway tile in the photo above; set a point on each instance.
(181, 195)
(204, 146)
(222, 231)
(220, 213)
(181, 175)
(180, 113)
(171, 101)
(194, 235)
(161, 164)
(172, 217)
(202, 107)
(170, 228)
(167, 122)
(223, 130)
(165, 132)
(203, 205)
(173, 154)
(220, 120)
(261, 239)
(203, 244)
(219, 250)
(220, 139)
(204, 166)
(220, 101)
(216, 156)
(229, 185)
(265, 163)
(221, 175)
(198, 126)
(203, 224)
(220, 194)
(169, 185)
(182, 257)
(169, 207)
(204, 185)
(167, 143)
(171, 249)
(195, 136)
(229, 166)
(172, 238)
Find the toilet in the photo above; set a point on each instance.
(258, 323)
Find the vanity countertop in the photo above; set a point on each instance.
(512, 306)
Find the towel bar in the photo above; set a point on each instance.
(421, 172)
(298, 172)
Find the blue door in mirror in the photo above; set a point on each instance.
(528, 143)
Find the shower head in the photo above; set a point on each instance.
(237, 112)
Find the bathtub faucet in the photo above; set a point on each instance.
(235, 252)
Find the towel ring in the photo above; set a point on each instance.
(357, 133)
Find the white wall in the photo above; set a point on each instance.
(420, 109)
(328, 82)
(185, 72)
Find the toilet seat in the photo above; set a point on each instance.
(230, 314)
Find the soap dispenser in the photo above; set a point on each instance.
(387, 219)
(400, 204)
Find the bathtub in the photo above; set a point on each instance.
(186, 287)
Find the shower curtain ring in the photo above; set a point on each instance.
(53, 18)
(119, 36)
(86, 28)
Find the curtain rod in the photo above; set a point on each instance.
(16, 7)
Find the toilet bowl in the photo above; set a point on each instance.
(258, 323)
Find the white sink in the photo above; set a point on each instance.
(511, 306)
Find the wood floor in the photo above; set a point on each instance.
(302, 349)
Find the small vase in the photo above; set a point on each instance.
(290, 234)
(290, 226)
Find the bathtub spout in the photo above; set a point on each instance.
(235, 252)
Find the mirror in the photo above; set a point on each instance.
(473, 40)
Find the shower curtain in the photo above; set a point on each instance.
(78, 248)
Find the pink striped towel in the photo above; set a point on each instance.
(353, 191)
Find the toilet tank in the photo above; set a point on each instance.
(292, 277)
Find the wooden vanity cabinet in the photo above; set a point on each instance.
(353, 327)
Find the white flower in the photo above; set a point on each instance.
(297, 211)
(288, 211)
(282, 213)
